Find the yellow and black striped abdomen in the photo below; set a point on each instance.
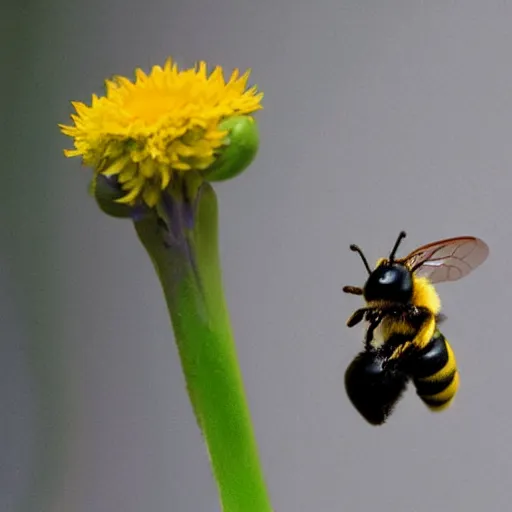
(434, 373)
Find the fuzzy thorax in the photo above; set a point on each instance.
(424, 295)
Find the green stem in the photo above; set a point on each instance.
(190, 274)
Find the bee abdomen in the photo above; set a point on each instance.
(434, 373)
(373, 390)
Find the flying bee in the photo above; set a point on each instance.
(403, 342)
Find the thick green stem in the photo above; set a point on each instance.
(188, 266)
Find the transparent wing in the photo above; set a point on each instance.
(447, 260)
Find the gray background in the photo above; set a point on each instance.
(379, 116)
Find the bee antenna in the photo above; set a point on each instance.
(354, 290)
(357, 249)
(401, 236)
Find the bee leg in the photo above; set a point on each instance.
(374, 320)
(356, 317)
(373, 317)
(373, 390)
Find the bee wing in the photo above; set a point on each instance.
(440, 318)
(448, 260)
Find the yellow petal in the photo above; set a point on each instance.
(151, 195)
(116, 167)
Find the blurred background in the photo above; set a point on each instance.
(379, 116)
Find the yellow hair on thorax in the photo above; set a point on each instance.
(380, 261)
(425, 295)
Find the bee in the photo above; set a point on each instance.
(403, 342)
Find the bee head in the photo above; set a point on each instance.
(389, 281)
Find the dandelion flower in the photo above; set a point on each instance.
(147, 131)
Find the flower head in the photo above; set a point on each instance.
(144, 132)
